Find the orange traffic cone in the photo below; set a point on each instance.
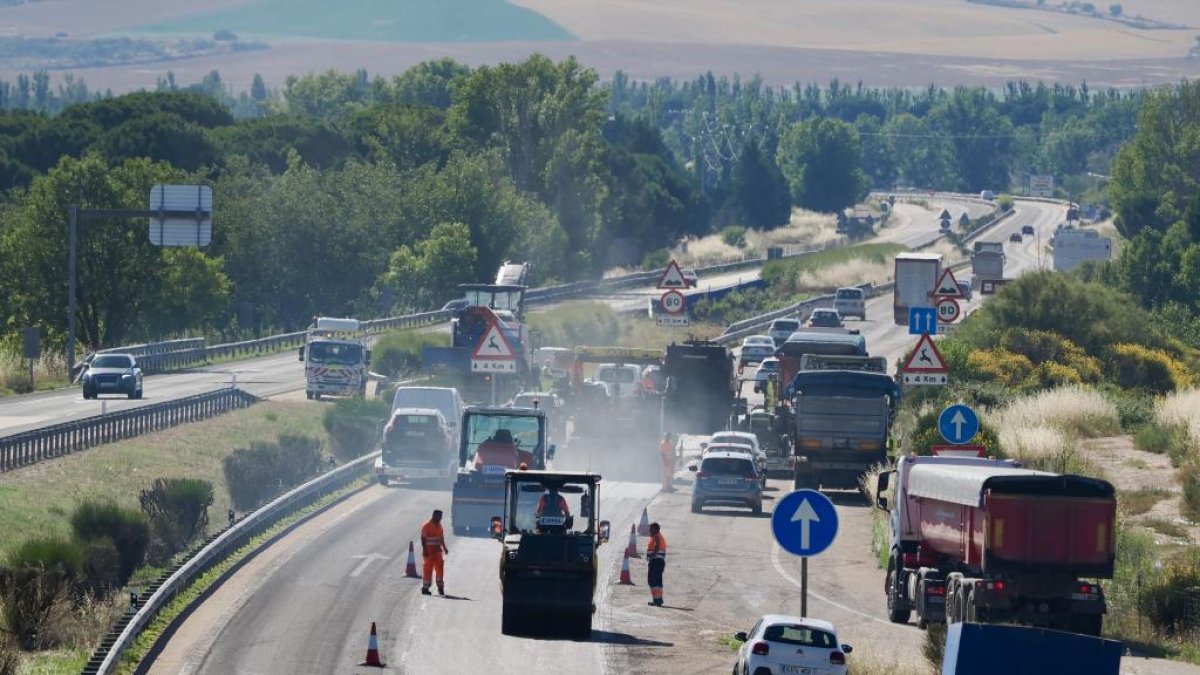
(631, 550)
(372, 650)
(626, 580)
(644, 526)
(410, 570)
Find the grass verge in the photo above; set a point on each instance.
(37, 500)
(595, 324)
(826, 270)
(1139, 501)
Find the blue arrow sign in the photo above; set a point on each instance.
(922, 320)
(805, 523)
(958, 424)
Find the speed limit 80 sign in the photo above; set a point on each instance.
(948, 310)
(673, 302)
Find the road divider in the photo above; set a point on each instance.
(56, 440)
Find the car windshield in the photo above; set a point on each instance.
(803, 636)
(112, 361)
(334, 353)
(769, 365)
(764, 340)
(569, 500)
(525, 431)
(731, 439)
(616, 374)
(727, 466)
(785, 325)
(849, 294)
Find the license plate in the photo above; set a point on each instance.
(729, 481)
(800, 670)
(108, 385)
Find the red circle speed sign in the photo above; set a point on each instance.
(948, 310)
(673, 302)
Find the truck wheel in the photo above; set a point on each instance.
(308, 395)
(970, 612)
(510, 622)
(898, 611)
(383, 480)
(317, 395)
(756, 509)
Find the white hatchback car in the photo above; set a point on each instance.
(789, 645)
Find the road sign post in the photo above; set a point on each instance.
(958, 424)
(804, 523)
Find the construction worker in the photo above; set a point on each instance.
(433, 547)
(666, 452)
(560, 507)
(499, 450)
(656, 557)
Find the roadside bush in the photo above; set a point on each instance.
(1135, 409)
(1134, 366)
(734, 235)
(35, 585)
(353, 426)
(925, 433)
(1189, 478)
(1170, 439)
(124, 529)
(398, 353)
(177, 509)
(1000, 365)
(101, 567)
(1162, 600)
(10, 657)
(934, 646)
(1049, 375)
(51, 553)
(657, 259)
(1041, 346)
(257, 473)
(1005, 203)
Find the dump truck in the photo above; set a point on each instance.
(842, 415)
(506, 363)
(915, 274)
(509, 438)
(631, 406)
(335, 357)
(987, 263)
(551, 533)
(701, 386)
(817, 341)
(989, 541)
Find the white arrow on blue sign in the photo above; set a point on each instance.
(958, 424)
(922, 320)
(805, 523)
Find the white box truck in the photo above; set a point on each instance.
(915, 275)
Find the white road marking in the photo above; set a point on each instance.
(812, 594)
(366, 562)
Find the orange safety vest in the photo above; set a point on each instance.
(667, 449)
(562, 505)
(657, 548)
(432, 538)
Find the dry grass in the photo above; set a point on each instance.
(869, 665)
(38, 499)
(1140, 501)
(805, 227)
(849, 273)
(48, 372)
(1044, 429)
(1182, 408)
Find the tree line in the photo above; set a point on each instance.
(343, 194)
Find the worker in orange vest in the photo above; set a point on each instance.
(433, 547)
(666, 451)
(656, 557)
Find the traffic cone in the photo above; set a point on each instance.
(626, 580)
(372, 650)
(631, 550)
(410, 570)
(644, 526)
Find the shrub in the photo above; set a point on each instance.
(1000, 365)
(1163, 600)
(398, 353)
(257, 473)
(1005, 203)
(50, 553)
(656, 259)
(10, 657)
(1135, 409)
(934, 646)
(28, 596)
(1182, 408)
(925, 434)
(1041, 346)
(1168, 439)
(177, 509)
(102, 567)
(124, 529)
(734, 235)
(1050, 375)
(353, 426)
(1189, 478)
(1078, 410)
(1134, 366)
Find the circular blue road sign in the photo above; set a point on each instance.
(805, 523)
(958, 424)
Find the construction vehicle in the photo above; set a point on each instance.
(916, 274)
(478, 492)
(417, 445)
(988, 541)
(335, 357)
(512, 274)
(630, 405)
(842, 414)
(987, 263)
(817, 341)
(551, 533)
(497, 380)
(701, 386)
(770, 427)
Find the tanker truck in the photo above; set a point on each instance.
(988, 541)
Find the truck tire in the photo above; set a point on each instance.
(308, 395)
(897, 605)
(510, 621)
(316, 395)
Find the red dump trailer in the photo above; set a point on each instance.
(988, 541)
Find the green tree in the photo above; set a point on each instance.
(426, 274)
(822, 159)
(759, 194)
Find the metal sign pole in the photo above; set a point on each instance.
(72, 222)
(804, 587)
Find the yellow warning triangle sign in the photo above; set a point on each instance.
(947, 286)
(672, 277)
(494, 345)
(925, 358)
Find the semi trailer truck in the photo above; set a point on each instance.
(988, 541)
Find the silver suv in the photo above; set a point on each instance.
(851, 302)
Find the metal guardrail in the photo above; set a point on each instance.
(56, 440)
(108, 655)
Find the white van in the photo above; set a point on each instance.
(851, 301)
(624, 379)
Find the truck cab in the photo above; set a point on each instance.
(336, 358)
(550, 531)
